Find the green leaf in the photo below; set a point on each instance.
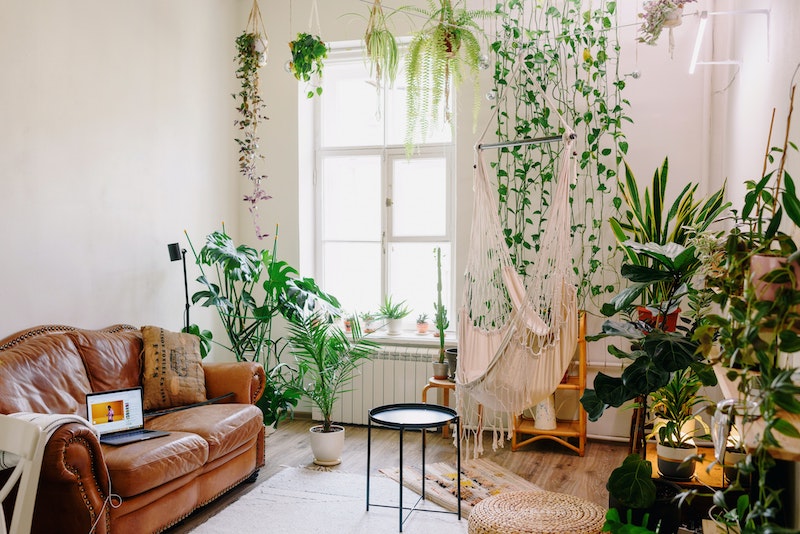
(632, 483)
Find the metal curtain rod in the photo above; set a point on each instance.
(524, 142)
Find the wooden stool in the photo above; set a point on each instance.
(536, 512)
(445, 385)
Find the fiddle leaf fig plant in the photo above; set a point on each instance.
(308, 53)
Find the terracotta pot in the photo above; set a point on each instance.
(327, 446)
(647, 317)
(422, 328)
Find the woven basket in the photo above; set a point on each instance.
(536, 512)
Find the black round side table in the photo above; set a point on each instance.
(414, 416)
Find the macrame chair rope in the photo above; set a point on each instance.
(516, 338)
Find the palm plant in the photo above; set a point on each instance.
(440, 54)
(327, 358)
(674, 406)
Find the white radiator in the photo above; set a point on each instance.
(394, 374)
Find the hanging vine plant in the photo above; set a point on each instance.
(308, 53)
(572, 54)
(380, 47)
(440, 54)
(251, 54)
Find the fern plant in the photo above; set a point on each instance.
(440, 55)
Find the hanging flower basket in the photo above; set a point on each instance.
(660, 14)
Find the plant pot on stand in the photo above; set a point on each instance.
(452, 360)
(673, 462)
(440, 370)
(327, 446)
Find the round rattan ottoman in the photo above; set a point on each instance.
(536, 512)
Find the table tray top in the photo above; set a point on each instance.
(412, 415)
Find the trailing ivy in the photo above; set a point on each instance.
(250, 56)
(572, 54)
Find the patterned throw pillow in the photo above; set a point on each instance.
(173, 372)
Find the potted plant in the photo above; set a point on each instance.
(649, 219)
(422, 323)
(634, 494)
(251, 55)
(394, 314)
(368, 319)
(440, 321)
(308, 53)
(660, 14)
(327, 359)
(380, 46)
(440, 54)
(748, 340)
(240, 272)
(677, 424)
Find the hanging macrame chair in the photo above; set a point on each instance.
(517, 331)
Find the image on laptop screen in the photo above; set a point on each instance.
(115, 411)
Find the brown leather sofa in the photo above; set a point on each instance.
(140, 487)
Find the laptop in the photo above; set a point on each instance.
(118, 416)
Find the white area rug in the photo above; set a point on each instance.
(300, 501)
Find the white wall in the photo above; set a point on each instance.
(116, 134)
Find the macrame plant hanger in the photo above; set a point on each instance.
(516, 338)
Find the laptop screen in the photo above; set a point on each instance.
(115, 411)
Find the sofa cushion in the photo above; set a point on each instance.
(225, 427)
(137, 467)
(173, 372)
(113, 360)
(45, 375)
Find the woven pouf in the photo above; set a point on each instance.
(536, 512)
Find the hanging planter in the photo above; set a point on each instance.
(380, 47)
(308, 51)
(440, 55)
(660, 14)
(252, 48)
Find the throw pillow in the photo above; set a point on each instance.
(173, 372)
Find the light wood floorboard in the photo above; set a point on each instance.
(545, 463)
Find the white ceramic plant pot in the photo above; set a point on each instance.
(672, 464)
(394, 326)
(545, 414)
(327, 447)
(673, 18)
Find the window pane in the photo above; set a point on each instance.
(412, 277)
(419, 197)
(351, 198)
(350, 107)
(352, 273)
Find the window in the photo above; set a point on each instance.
(379, 214)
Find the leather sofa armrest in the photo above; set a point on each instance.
(74, 483)
(245, 379)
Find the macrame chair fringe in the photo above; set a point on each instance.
(517, 331)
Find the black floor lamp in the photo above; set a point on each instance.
(177, 253)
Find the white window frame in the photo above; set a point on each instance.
(349, 51)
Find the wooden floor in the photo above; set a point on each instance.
(545, 463)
